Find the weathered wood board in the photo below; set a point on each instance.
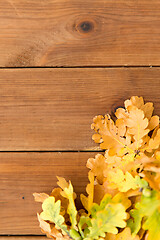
(52, 109)
(79, 33)
(103, 50)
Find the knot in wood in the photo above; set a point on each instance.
(85, 27)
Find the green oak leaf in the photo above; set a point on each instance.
(107, 220)
(71, 210)
(51, 212)
(148, 210)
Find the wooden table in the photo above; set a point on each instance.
(61, 63)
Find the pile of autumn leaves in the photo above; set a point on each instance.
(123, 201)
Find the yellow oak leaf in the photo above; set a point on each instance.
(97, 138)
(157, 155)
(154, 142)
(124, 235)
(57, 194)
(99, 192)
(71, 209)
(64, 184)
(123, 199)
(88, 201)
(128, 162)
(152, 179)
(97, 166)
(109, 135)
(148, 109)
(121, 127)
(137, 124)
(114, 162)
(153, 122)
(134, 101)
(108, 189)
(123, 181)
(134, 107)
(130, 131)
(139, 103)
(121, 113)
(152, 167)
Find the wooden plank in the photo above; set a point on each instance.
(52, 109)
(22, 174)
(79, 33)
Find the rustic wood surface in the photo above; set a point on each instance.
(22, 174)
(46, 112)
(79, 33)
(52, 109)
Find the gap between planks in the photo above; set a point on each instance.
(61, 67)
(22, 237)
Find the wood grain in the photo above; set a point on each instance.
(22, 174)
(79, 33)
(52, 109)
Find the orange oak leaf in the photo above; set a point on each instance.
(110, 135)
(97, 166)
(50, 230)
(154, 142)
(137, 124)
(40, 197)
(64, 184)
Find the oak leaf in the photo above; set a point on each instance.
(51, 213)
(137, 124)
(99, 192)
(139, 103)
(88, 201)
(107, 220)
(124, 235)
(148, 210)
(57, 194)
(97, 166)
(40, 197)
(123, 181)
(135, 101)
(62, 183)
(109, 134)
(154, 142)
(71, 209)
(50, 230)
